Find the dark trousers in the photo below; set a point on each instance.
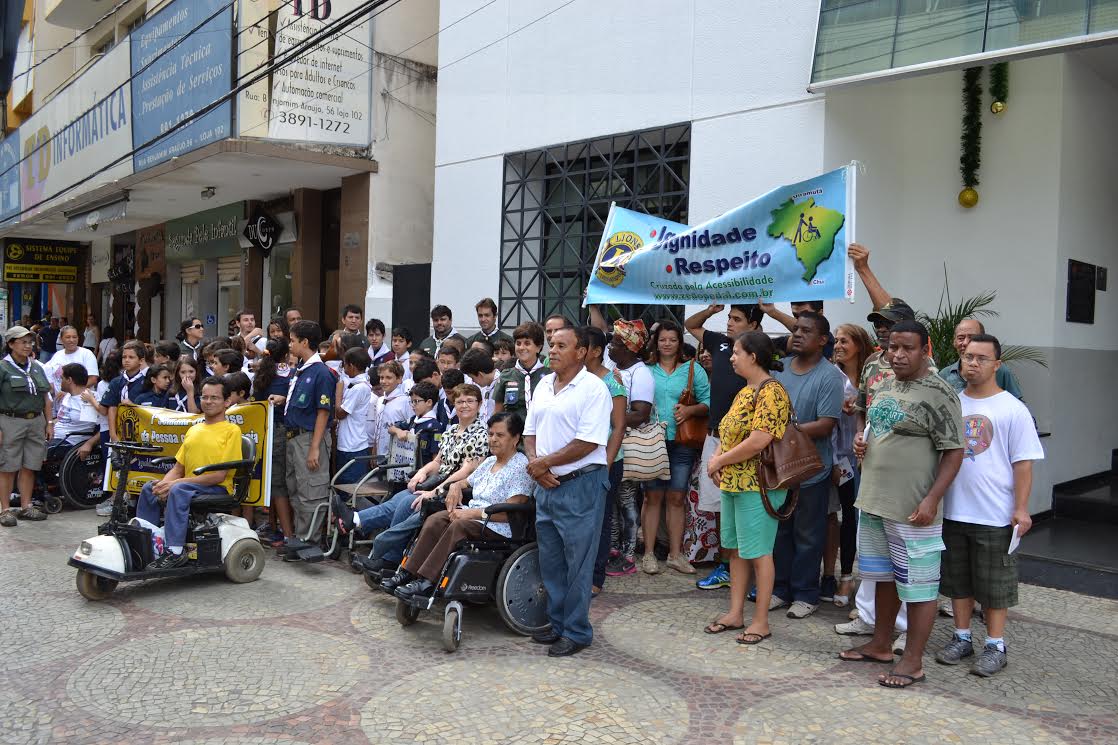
(799, 545)
(438, 538)
(568, 525)
(848, 531)
(616, 471)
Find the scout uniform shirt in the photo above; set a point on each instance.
(125, 389)
(431, 345)
(310, 389)
(22, 386)
(515, 386)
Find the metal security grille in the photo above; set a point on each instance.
(556, 201)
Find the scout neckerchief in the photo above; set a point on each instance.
(124, 392)
(180, 403)
(528, 379)
(295, 378)
(25, 373)
(439, 342)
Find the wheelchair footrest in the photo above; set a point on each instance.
(301, 551)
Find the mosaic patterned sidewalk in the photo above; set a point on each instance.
(308, 654)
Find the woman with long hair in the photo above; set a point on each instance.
(186, 385)
(670, 373)
(853, 346)
(756, 417)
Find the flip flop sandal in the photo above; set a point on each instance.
(751, 638)
(718, 628)
(911, 680)
(864, 658)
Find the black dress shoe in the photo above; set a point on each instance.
(420, 587)
(399, 578)
(565, 648)
(546, 637)
(168, 560)
(343, 513)
(365, 564)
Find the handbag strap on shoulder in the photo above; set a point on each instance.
(791, 406)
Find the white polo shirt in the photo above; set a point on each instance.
(579, 411)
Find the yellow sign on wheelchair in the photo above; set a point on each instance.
(166, 428)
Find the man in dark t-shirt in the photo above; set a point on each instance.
(724, 387)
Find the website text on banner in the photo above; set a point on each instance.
(166, 428)
(787, 245)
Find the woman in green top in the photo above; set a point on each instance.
(24, 416)
(669, 374)
(748, 531)
(594, 354)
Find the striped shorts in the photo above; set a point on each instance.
(910, 556)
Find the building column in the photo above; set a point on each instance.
(353, 262)
(306, 260)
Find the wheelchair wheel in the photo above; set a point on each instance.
(52, 504)
(452, 629)
(405, 613)
(93, 587)
(80, 480)
(521, 598)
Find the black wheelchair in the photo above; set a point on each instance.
(67, 478)
(505, 571)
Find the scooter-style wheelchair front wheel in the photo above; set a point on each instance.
(93, 587)
(245, 561)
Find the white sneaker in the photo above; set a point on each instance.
(899, 645)
(945, 608)
(800, 609)
(775, 602)
(857, 627)
(649, 564)
(104, 509)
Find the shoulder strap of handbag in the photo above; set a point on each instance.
(690, 379)
(789, 505)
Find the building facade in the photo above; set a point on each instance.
(205, 156)
(551, 110)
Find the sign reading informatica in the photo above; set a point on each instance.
(180, 81)
(325, 95)
(787, 245)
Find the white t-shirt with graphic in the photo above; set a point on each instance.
(61, 358)
(997, 432)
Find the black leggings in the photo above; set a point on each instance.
(848, 533)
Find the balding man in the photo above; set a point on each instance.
(968, 328)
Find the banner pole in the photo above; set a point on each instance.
(851, 212)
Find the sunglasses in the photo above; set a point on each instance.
(197, 326)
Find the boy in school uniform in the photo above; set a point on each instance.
(352, 413)
(307, 414)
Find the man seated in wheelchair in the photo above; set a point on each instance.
(463, 447)
(502, 477)
(77, 422)
(214, 440)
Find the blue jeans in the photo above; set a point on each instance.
(354, 473)
(681, 461)
(568, 526)
(615, 473)
(799, 545)
(176, 513)
(397, 521)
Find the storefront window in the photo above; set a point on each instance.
(279, 269)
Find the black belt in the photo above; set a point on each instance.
(28, 415)
(580, 472)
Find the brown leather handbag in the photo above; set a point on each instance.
(786, 462)
(692, 432)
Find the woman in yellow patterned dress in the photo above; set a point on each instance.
(748, 531)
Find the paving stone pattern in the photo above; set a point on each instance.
(308, 655)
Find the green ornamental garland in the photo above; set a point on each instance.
(971, 141)
(999, 87)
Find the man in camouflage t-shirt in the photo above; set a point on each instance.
(911, 455)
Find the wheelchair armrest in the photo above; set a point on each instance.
(506, 507)
(229, 466)
(86, 429)
(393, 466)
(163, 460)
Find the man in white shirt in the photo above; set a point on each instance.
(565, 438)
(253, 336)
(985, 505)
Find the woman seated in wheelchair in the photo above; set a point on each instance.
(77, 423)
(502, 477)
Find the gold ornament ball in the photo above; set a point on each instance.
(968, 197)
(998, 107)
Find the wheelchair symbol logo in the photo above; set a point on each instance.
(812, 231)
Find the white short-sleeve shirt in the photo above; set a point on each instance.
(61, 358)
(579, 411)
(638, 381)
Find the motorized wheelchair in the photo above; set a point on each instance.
(505, 571)
(66, 477)
(122, 548)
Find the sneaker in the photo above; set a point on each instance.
(955, 651)
(169, 560)
(614, 553)
(34, 514)
(945, 608)
(8, 519)
(751, 596)
(853, 613)
(720, 577)
(775, 602)
(680, 564)
(899, 645)
(620, 566)
(857, 627)
(649, 564)
(827, 588)
(991, 662)
(800, 609)
(104, 509)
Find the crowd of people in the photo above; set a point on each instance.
(625, 437)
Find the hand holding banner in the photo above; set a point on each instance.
(787, 245)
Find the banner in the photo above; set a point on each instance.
(182, 80)
(787, 245)
(166, 428)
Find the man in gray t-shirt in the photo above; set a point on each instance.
(816, 389)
